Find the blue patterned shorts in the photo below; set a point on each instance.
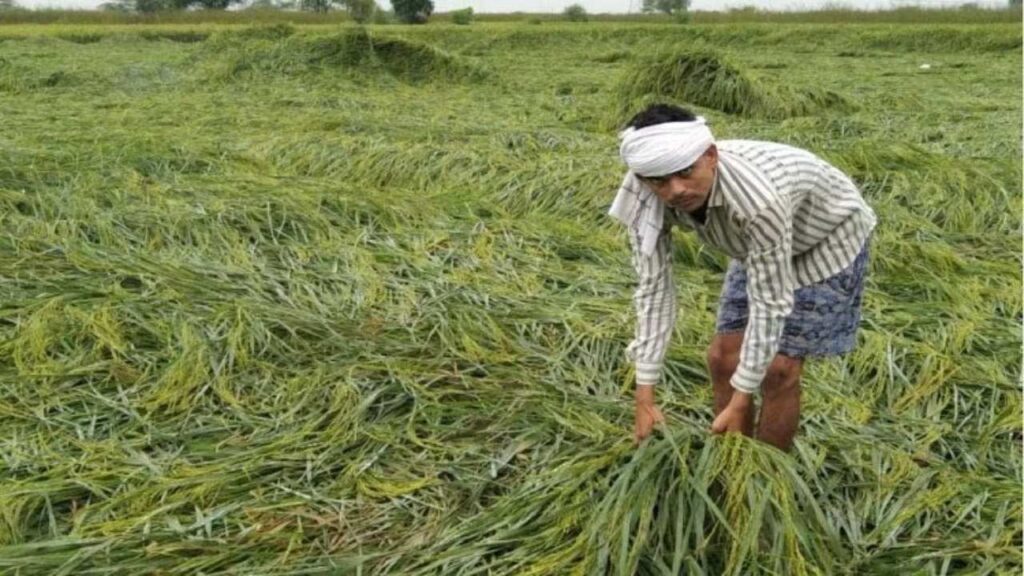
(825, 315)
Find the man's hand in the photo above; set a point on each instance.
(734, 416)
(647, 413)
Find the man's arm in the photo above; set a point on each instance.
(655, 302)
(770, 287)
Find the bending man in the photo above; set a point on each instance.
(797, 230)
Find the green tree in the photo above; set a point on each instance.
(1014, 3)
(463, 17)
(8, 5)
(666, 6)
(361, 11)
(575, 13)
(116, 6)
(319, 6)
(272, 5)
(213, 4)
(150, 6)
(413, 11)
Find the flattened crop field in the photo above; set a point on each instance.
(324, 300)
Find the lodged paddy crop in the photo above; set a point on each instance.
(323, 300)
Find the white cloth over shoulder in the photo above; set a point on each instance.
(654, 151)
(640, 210)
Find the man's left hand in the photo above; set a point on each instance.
(735, 415)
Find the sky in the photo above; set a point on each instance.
(609, 6)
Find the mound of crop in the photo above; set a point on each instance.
(81, 37)
(278, 52)
(705, 78)
(182, 36)
(227, 40)
(944, 39)
(17, 78)
(930, 192)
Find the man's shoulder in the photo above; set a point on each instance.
(746, 183)
(760, 149)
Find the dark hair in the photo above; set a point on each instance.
(660, 114)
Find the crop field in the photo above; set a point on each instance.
(318, 299)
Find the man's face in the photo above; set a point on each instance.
(688, 188)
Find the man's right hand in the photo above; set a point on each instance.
(647, 413)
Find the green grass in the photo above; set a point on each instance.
(276, 302)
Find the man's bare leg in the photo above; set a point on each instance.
(780, 402)
(723, 357)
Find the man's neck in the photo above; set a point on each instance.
(701, 214)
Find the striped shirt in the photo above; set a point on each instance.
(788, 216)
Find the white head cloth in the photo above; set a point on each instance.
(664, 148)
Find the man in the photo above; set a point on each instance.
(797, 230)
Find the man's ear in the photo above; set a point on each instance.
(712, 155)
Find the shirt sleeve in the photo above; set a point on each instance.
(655, 302)
(770, 287)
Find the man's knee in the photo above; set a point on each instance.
(783, 375)
(722, 360)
